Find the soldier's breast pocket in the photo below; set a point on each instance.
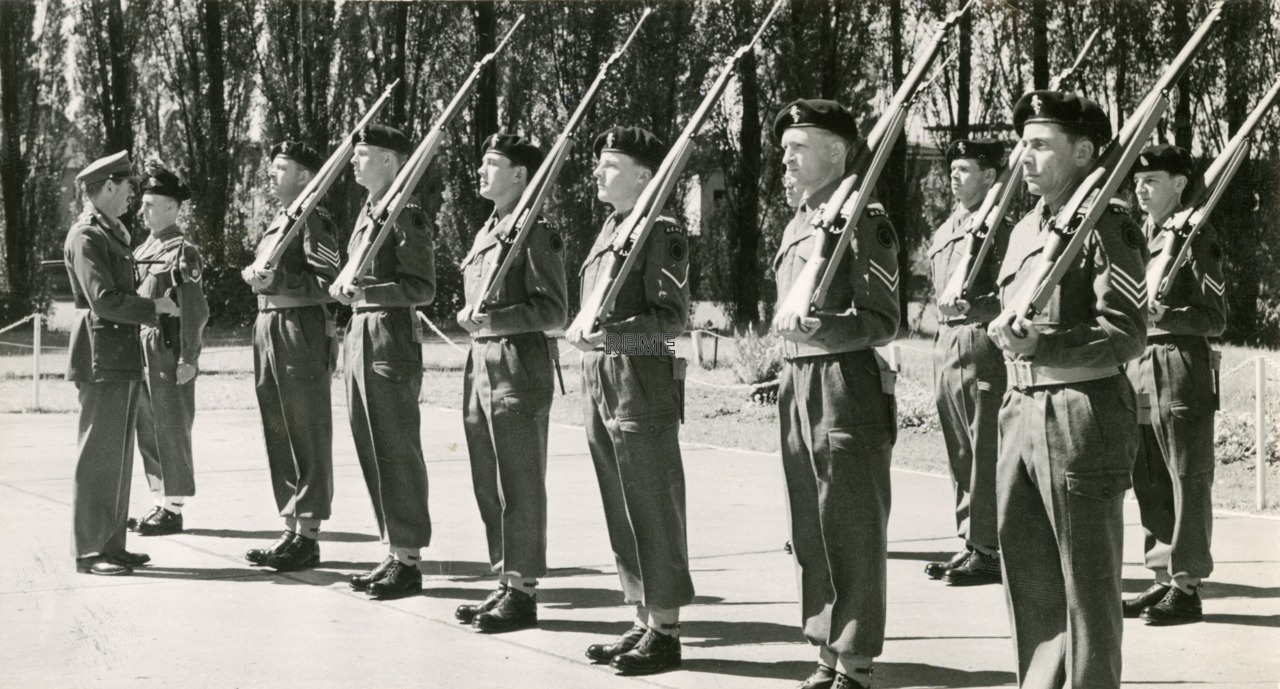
(1189, 379)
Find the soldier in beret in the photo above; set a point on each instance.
(508, 385)
(836, 404)
(383, 366)
(295, 352)
(106, 364)
(1068, 429)
(1176, 376)
(633, 408)
(168, 265)
(969, 369)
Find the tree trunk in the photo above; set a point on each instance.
(217, 177)
(1040, 44)
(895, 171)
(964, 78)
(745, 212)
(15, 18)
(485, 18)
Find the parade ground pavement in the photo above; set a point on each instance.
(200, 616)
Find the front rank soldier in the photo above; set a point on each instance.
(294, 354)
(1173, 477)
(168, 265)
(632, 408)
(106, 365)
(1068, 429)
(836, 405)
(508, 385)
(382, 366)
(969, 370)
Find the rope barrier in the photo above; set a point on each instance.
(11, 326)
(440, 334)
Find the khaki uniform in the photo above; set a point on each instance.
(508, 387)
(382, 369)
(632, 410)
(166, 409)
(839, 425)
(295, 351)
(106, 366)
(969, 383)
(1066, 454)
(1173, 477)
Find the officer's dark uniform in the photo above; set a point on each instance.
(838, 417)
(1068, 435)
(295, 351)
(106, 366)
(969, 370)
(1173, 477)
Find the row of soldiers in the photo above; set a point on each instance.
(1041, 423)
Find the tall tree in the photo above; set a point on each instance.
(109, 30)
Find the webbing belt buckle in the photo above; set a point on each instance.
(1023, 375)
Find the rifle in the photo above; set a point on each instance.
(1182, 227)
(397, 195)
(529, 207)
(1077, 218)
(979, 235)
(295, 216)
(633, 233)
(850, 199)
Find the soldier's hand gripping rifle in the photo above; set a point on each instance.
(1076, 220)
(295, 216)
(844, 209)
(635, 230)
(529, 207)
(979, 235)
(1182, 227)
(397, 195)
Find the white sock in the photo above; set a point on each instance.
(174, 505)
(291, 524)
(642, 616)
(528, 586)
(407, 556)
(665, 621)
(309, 528)
(851, 665)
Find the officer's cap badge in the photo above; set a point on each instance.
(795, 114)
(1036, 104)
(1142, 160)
(152, 182)
(960, 147)
(608, 140)
(361, 136)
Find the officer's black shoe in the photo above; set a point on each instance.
(655, 652)
(133, 523)
(162, 523)
(301, 553)
(361, 582)
(861, 681)
(978, 570)
(259, 556)
(516, 610)
(102, 566)
(401, 580)
(466, 613)
(1175, 608)
(1133, 607)
(127, 559)
(822, 678)
(936, 570)
(603, 653)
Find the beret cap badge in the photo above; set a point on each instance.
(608, 140)
(1036, 104)
(961, 147)
(795, 114)
(1143, 161)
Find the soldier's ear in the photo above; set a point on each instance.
(1084, 150)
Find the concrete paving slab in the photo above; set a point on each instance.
(202, 617)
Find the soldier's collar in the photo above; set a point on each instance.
(167, 233)
(820, 196)
(114, 226)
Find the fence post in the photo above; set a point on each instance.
(1260, 429)
(895, 357)
(37, 325)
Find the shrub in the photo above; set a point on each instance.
(1234, 437)
(758, 358)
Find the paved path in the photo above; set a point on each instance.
(201, 617)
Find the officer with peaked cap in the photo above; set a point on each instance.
(383, 366)
(1177, 377)
(633, 408)
(168, 265)
(1068, 430)
(295, 352)
(969, 369)
(507, 384)
(836, 404)
(105, 364)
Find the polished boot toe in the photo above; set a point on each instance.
(301, 553)
(259, 556)
(128, 559)
(361, 582)
(515, 610)
(603, 653)
(466, 613)
(978, 570)
(1175, 608)
(133, 523)
(823, 677)
(1133, 607)
(400, 580)
(102, 566)
(161, 523)
(656, 652)
(936, 570)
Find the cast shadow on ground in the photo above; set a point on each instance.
(335, 536)
(1213, 589)
(887, 675)
(555, 598)
(940, 556)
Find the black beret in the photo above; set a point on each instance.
(161, 182)
(299, 153)
(382, 136)
(114, 166)
(1174, 160)
(516, 148)
(1076, 114)
(986, 151)
(815, 112)
(638, 143)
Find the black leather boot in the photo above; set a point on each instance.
(401, 580)
(978, 570)
(655, 652)
(936, 570)
(1175, 608)
(361, 582)
(466, 613)
(301, 553)
(515, 610)
(603, 653)
(1133, 607)
(259, 556)
(162, 523)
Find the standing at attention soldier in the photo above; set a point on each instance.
(382, 366)
(1068, 428)
(508, 385)
(836, 405)
(168, 265)
(294, 353)
(969, 370)
(632, 411)
(1173, 477)
(106, 365)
